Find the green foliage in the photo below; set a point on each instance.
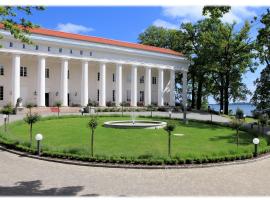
(93, 123)
(239, 113)
(58, 104)
(169, 127)
(7, 109)
(14, 19)
(216, 11)
(32, 118)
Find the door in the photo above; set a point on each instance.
(68, 99)
(47, 99)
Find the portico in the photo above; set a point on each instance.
(61, 72)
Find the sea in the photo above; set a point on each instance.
(246, 107)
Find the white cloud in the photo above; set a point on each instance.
(194, 13)
(165, 24)
(190, 13)
(73, 28)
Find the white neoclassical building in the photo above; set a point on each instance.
(73, 68)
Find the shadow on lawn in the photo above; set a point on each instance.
(244, 139)
(33, 188)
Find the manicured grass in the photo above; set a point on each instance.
(71, 134)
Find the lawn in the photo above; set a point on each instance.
(71, 134)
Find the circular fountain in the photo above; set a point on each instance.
(135, 123)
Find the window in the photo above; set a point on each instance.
(11, 44)
(70, 51)
(113, 95)
(141, 96)
(1, 70)
(97, 95)
(98, 76)
(1, 93)
(142, 79)
(49, 48)
(113, 77)
(36, 47)
(23, 46)
(90, 54)
(23, 71)
(81, 52)
(154, 80)
(60, 50)
(68, 74)
(128, 95)
(47, 73)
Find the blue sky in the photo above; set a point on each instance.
(126, 23)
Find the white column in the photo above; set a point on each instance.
(133, 86)
(184, 94)
(64, 82)
(102, 84)
(16, 62)
(147, 90)
(84, 84)
(160, 88)
(172, 88)
(41, 81)
(118, 84)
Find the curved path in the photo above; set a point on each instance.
(25, 176)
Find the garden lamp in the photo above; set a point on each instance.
(38, 138)
(5, 121)
(256, 141)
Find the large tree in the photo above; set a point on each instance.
(15, 20)
(261, 97)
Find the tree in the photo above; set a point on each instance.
(169, 128)
(31, 119)
(261, 97)
(92, 124)
(150, 108)
(58, 104)
(30, 106)
(19, 27)
(236, 124)
(7, 110)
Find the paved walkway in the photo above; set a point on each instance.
(25, 176)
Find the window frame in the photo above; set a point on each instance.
(1, 93)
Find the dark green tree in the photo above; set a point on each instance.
(58, 104)
(31, 119)
(92, 124)
(261, 97)
(169, 128)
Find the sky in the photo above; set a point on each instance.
(126, 23)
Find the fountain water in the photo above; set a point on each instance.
(133, 117)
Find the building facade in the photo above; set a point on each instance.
(74, 69)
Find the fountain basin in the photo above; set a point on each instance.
(147, 124)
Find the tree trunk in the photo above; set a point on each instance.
(92, 143)
(193, 92)
(31, 126)
(226, 94)
(221, 99)
(169, 144)
(199, 95)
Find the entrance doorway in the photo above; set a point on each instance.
(47, 99)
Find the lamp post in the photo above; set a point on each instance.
(38, 138)
(256, 141)
(5, 121)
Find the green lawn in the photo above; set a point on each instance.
(72, 133)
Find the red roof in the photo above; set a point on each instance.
(61, 34)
